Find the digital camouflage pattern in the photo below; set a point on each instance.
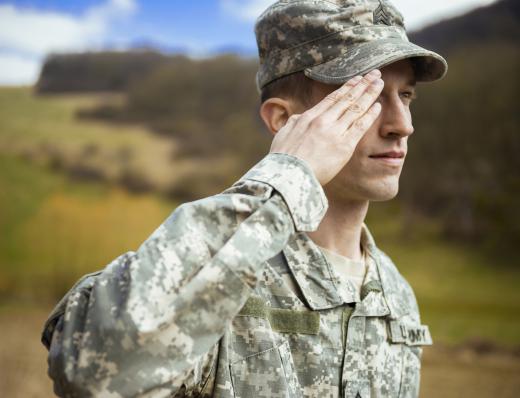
(334, 40)
(202, 307)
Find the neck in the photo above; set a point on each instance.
(340, 229)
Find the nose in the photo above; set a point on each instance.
(396, 119)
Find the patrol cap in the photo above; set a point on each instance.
(332, 41)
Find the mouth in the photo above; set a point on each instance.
(392, 158)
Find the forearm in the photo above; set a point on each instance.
(152, 316)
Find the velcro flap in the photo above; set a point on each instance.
(282, 320)
(410, 334)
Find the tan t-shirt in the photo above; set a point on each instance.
(346, 269)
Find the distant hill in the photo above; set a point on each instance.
(96, 71)
(462, 167)
(467, 127)
(499, 21)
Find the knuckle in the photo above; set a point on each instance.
(366, 81)
(356, 108)
(335, 96)
(349, 98)
(319, 122)
(360, 124)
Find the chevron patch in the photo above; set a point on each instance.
(382, 15)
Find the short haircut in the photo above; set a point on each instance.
(294, 86)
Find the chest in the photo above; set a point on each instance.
(277, 347)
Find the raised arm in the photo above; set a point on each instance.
(150, 321)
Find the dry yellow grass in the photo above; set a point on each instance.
(45, 129)
(70, 235)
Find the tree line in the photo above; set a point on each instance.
(463, 164)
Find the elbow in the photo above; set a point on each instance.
(76, 369)
(84, 376)
(68, 380)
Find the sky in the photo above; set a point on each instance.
(31, 29)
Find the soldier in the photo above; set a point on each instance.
(274, 287)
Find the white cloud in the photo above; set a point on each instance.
(245, 10)
(421, 13)
(416, 13)
(27, 35)
(18, 70)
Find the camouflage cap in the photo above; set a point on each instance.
(334, 40)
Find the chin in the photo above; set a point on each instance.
(363, 189)
(383, 197)
(382, 192)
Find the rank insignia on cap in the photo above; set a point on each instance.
(383, 14)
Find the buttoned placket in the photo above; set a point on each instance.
(354, 371)
(321, 290)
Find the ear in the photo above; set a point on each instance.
(275, 112)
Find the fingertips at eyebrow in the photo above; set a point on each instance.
(346, 89)
(355, 79)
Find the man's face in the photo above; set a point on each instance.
(374, 169)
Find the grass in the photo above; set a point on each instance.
(46, 130)
(463, 295)
(53, 229)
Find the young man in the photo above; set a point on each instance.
(275, 287)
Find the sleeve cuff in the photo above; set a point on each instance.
(293, 179)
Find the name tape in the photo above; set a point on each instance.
(410, 334)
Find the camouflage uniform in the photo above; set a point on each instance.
(202, 309)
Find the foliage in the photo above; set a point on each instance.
(99, 71)
(53, 231)
(209, 106)
(45, 131)
(58, 230)
(463, 161)
(497, 22)
(462, 165)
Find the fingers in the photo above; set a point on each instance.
(336, 103)
(362, 104)
(332, 98)
(361, 125)
(350, 100)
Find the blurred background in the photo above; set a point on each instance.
(113, 112)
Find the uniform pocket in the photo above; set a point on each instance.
(412, 336)
(269, 373)
(411, 373)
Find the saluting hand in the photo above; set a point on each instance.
(326, 135)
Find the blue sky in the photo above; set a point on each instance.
(172, 23)
(30, 29)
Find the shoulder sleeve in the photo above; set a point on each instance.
(150, 321)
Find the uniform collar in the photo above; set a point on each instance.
(381, 291)
(312, 272)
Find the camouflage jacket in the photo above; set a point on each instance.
(201, 308)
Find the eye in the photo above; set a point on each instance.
(409, 96)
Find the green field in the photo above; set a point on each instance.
(55, 229)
